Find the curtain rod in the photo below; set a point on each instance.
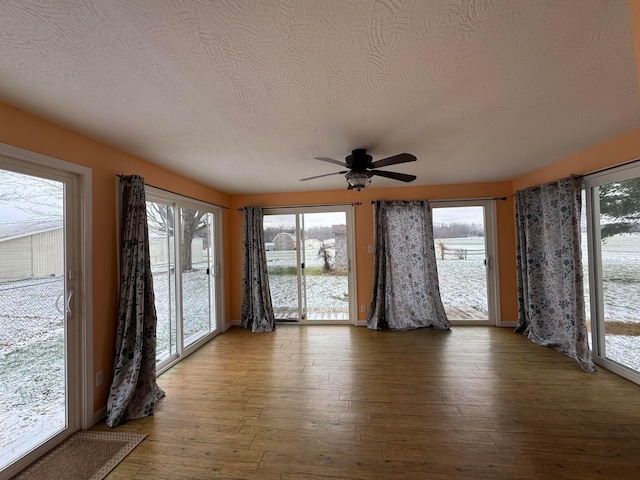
(176, 193)
(611, 167)
(453, 200)
(315, 205)
(594, 172)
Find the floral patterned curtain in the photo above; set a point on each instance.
(549, 265)
(134, 391)
(257, 311)
(406, 291)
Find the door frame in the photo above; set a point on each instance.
(591, 184)
(80, 381)
(177, 201)
(491, 252)
(351, 258)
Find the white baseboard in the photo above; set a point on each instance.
(99, 415)
(232, 323)
(361, 323)
(511, 324)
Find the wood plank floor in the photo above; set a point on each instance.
(342, 402)
(328, 313)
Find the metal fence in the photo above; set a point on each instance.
(32, 298)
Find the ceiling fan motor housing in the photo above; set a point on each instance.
(359, 160)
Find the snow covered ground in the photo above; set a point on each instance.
(32, 365)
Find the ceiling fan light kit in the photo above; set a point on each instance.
(362, 168)
(357, 180)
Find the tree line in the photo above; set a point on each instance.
(321, 232)
(457, 230)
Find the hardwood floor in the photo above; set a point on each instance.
(341, 402)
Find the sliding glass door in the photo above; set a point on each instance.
(466, 256)
(308, 263)
(185, 255)
(613, 217)
(40, 319)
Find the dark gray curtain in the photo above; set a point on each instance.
(134, 391)
(549, 266)
(406, 291)
(257, 311)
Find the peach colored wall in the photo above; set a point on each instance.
(364, 231)
(28, 132)
(612, 152)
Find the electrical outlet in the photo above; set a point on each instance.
(363, 308)
(99, 378)
(371, 249)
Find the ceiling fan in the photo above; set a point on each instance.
(361, 168)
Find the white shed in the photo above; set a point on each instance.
(32, 249)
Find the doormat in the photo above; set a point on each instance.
(83, 456)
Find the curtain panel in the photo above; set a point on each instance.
(257, 310)
(134, 391)
(406, 291)
(549, 269)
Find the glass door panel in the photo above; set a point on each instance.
(197, 274)
(34, 346)
(282, 265)
(461, 256)
(308, 264)
(326, 271)
(160, 219)
(618, 273)
(186, 264)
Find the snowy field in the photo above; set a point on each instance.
(32, 335)
(323, 291)
(196, 294)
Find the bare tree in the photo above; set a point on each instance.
(161, 219)
(38, 197)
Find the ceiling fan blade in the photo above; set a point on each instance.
(400, 158)
(403, 177)
(331, 160)
(325, 175)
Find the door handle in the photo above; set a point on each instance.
(69, 310)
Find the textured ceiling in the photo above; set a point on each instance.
(242, 94)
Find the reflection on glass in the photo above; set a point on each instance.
(460, 255)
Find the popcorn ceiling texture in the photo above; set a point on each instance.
(478, 90)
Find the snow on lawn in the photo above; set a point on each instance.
(32, 366)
